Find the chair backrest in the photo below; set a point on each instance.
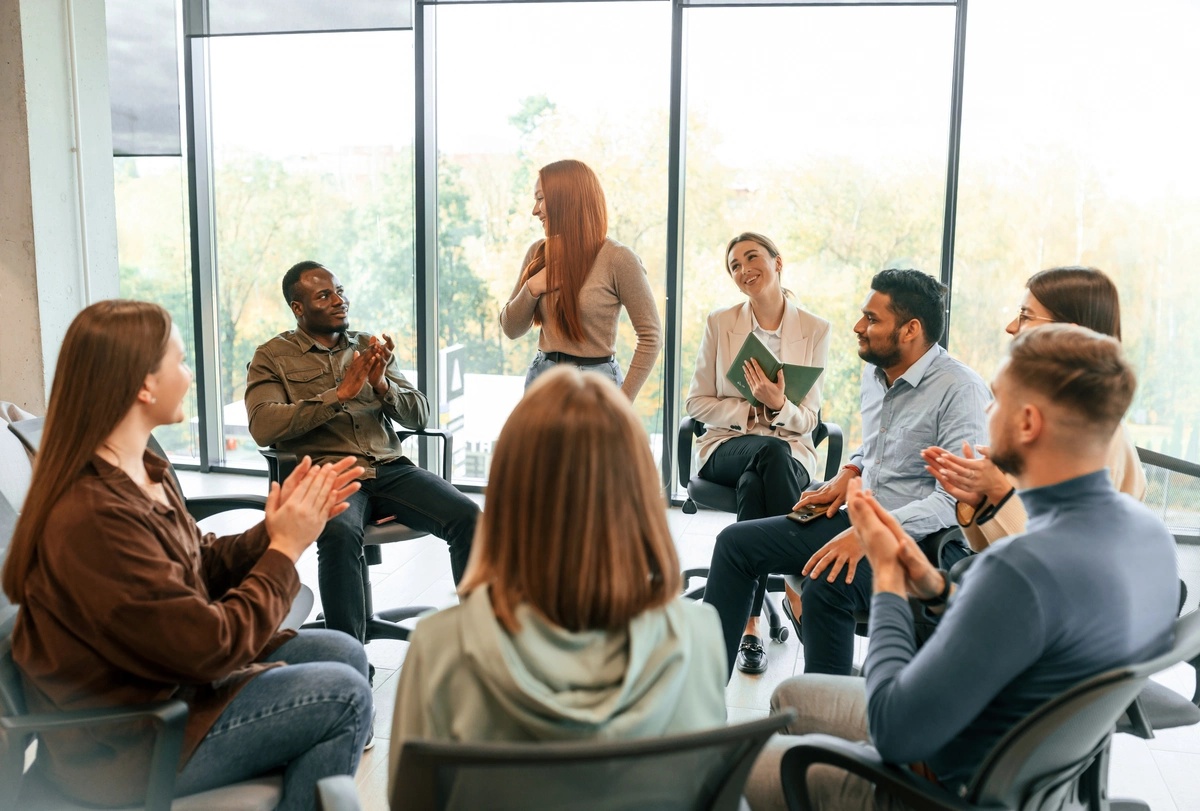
(1041, 759)
(30, 434)
(700, 770)
(1173, 492)
(12, 703)
(16, 470)
(12, 695)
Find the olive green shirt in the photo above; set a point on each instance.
(292, 402)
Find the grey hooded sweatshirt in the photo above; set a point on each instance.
(466, 678)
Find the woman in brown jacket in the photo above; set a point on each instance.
(123, 601)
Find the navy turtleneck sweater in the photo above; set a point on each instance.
(1091, 584)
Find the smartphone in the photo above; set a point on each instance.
(808, 513)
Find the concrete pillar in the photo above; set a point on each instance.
(58, 237)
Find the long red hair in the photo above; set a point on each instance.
(576, 227)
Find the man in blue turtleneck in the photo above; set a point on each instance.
(1036, 613)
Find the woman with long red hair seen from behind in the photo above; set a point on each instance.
(123, 601)
(574, 282)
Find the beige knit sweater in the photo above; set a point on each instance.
(617, 279)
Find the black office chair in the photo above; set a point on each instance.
(27, 790)
(703, 493)
(380, 529)
(1056, 758)
(1172, 491)
(697, 771)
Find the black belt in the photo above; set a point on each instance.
(563, 357)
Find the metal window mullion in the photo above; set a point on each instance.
(425, 257)
(954, 149)
(676, 184)
(203, 250)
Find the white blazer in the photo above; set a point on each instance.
(714, 401)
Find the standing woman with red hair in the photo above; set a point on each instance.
(574, 282)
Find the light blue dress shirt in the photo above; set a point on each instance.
(938, 401)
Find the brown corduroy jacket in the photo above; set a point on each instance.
(128, 603)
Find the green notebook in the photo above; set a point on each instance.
(797, 379)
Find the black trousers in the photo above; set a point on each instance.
(768, 479)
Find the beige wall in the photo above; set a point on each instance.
(58, 244)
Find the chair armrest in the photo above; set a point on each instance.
(447, 439)
(831, 433)
(683, 450)
(202, 507)
(281, 463)
(167, 717)
(337, 793)
(862, 760)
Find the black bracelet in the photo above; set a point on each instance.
(989, 512)
(940, 600)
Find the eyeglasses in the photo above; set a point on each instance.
(1023, 316)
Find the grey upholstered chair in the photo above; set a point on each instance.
(1056, 758)
(697, 771)
(26, 789)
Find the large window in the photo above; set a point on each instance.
(312, 159)
(520, 86)
(811, 126)
(827, 126)
(152, 248)
(1078, 149)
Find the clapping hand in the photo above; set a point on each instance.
(357, 373)
(381, 357)
(897, 562)
(968, 478)
(297, 510)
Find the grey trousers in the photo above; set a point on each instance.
(834, 705)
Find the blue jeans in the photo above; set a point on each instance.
(419, 499)
(541, 364)
(310, 718)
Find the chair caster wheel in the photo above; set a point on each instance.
(780, 634)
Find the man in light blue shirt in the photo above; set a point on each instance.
(914, 395)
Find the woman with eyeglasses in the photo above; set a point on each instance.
(765, 451)
(988, 507)
(575, 281)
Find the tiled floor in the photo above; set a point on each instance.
(1162, 772)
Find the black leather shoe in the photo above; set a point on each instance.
(751, 656)
(787, 612)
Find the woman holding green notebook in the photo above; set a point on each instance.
(763, 450)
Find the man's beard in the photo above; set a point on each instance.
(884, 359)
(1008, 460)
